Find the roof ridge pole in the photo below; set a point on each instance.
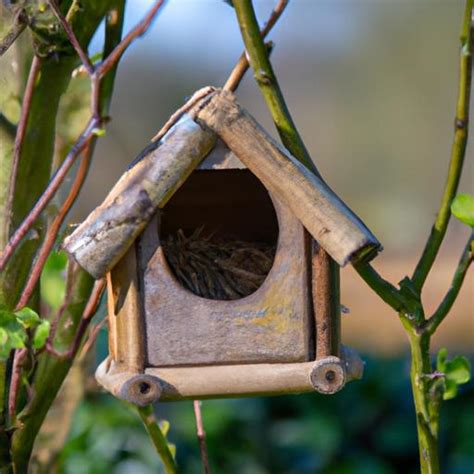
(328, 275)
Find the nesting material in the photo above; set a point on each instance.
(218, 269)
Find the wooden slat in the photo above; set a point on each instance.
(336, 228)
(109, 231)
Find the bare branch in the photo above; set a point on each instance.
(458, 152)
(450, 297)
(54, 229)
(72, 37)
(18, 25)
(15, 381)
(87, 315)
(243, 64)
(21, 130)
(139, 30)
(201, 435)
(49, 192)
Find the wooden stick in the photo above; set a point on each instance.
(336, 228)
(326, 305)
(109, 231)
(202, 382)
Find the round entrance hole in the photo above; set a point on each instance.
(219, 234)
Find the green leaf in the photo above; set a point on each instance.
(441, 359)
(463, 208)
(458, 370)
(451, 390)
(3, 337)
(41, 334)
(28, 318)
(98, 132)
(172, 448)
(6, 318)
(164, 427)
(17, 338)
(53, 281)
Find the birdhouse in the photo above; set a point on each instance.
(208, 245)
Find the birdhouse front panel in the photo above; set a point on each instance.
(225, 276)
(212, 275)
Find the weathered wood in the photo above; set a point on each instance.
(326, 306)
(337, 229)
(109, 231)
(273, 324)
(125, 313)
(184, 383)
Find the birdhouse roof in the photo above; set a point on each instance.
(109, 231)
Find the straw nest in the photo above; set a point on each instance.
(215, 268)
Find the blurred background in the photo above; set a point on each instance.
(372, 86)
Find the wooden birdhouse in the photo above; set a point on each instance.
(207, 242)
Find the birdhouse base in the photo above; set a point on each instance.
(327, 375)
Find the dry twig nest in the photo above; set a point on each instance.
(215, 268)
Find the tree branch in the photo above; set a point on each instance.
(72, 38)
(389, 293)
(21, 130)
(158, 439)
(268, 83)
(458, 152)
(242, 64)
(201, 435)
(447, 303)
(137, 31)
(18, 25)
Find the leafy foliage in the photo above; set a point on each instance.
(367, 428)
(53, 281)
(17, 328)
(456, 371)
(463, 208)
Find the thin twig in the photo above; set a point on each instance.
(157, 438)
(201, 436)
(268, 83)
(87, 315)
(49, 192)
(17, 27)
(241, 67)
(54, 228)
(458, 151)
(72, 38)
(68, 295)
(90, 341)
(447, 303)
(84, 138)
(242, 64)
(21, 130)
(15, 380)
(137, 31)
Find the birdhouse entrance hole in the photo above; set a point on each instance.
(219, 233)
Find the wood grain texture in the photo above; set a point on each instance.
(273, 324)
(127, 335)
(109, 231)
(186, 383)
(336, 228)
